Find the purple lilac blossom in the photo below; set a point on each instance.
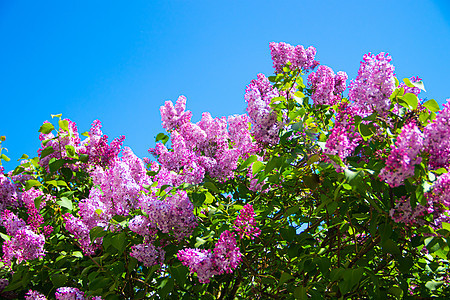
(404, 156)
(97, 148)
(413, 90)
(34, 295)
(373, 86)
(298, 56)
(9, 194)
(24, 245)
(225, 258)
(436, 141)
(198, 261)
(69, 293)
(245, 223)
(148, 254)
(174, 117)
(439, 200)
(344, 137)
(226, 253)
(326, 86)
(258, 95)
(404, 213)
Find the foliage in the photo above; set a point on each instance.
(309, 195)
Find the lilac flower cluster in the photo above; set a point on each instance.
(26, 242)
(224, 259)
(439, 200)
(404, 213)
(404, 156)
(413, 90)
(95, 146)
(245, 223)
(206, 147)
(436, 141)
(298, 56)
(9, 194)
(258, 95)
(326, 86)
(148, 254)
(344, 137)
(34, 295)
(373, 85)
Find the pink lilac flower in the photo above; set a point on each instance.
(34, 218)
(258, 95)
(404, 213)
(436, 141)
(197, 149)
(69, 293)
(11, 222)
(439, 200)
(344, 137)
(141, 225)
(97, 148)
(326, 86)
(148, 254)
(404, 156)
(9, 194)
(225, 258)
(226, 253)
(198, 261)
(174, 117)
(70, 138)
(245, 223)
(298, 56)
(413, 90)
(24, 245)
(34, 295)
(373, 85)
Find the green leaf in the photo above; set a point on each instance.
(198, 199)
(97, 232)
(256, 167)
(411, 100)
(64, 125)
(211, 186)
(433, 285)
(300, 293)
(70, 151)
(365, 130)
(58, 280)
(46, 128)
(4, 157)
(65, 202)
(161, 137)
(31, 183)
(37, 202)
(179, 273)
(56, 116)
(5, 237)
(284, 277)
(249, 160)
(390, 246)
(274, 162)
(432, 105)
(56, 165)
(47, 151)
(119, 241)
(165, 287)
(446, 226)
(24, 156)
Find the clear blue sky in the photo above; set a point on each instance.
(118, 61)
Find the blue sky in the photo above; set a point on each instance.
(118, 62)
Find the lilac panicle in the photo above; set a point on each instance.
(373, 86)
(404, 156)
(245, 223)
(298, 56)
(34, 295)
(326, 86)
(436, 141)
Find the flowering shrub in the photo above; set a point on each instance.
(311, 194)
